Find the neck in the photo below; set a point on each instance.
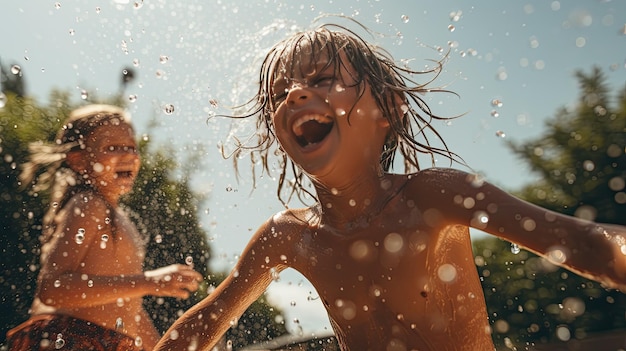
(355, 204)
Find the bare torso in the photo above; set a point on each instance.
(402, 281)
(111, 248)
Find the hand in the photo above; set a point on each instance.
(176, 280)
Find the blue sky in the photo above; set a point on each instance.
(201, 56)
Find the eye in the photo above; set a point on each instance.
(122, 148)
(324, 80)
(278, 97)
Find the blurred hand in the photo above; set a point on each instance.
(176, 280)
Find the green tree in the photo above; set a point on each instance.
(21, 121)
(581, 161)
(581, 157)
(162, 205)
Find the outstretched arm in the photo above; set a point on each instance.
(592, 250)
(203, 325)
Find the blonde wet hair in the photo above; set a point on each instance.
(411, 129)
(47, 168)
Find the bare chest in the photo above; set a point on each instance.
(119, 251)
(393, 277)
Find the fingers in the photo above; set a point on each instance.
(176, 280)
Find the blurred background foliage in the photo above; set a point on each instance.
(162, 205)
(579, 161)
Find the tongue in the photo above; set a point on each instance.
(314, 132)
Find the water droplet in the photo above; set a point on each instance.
(84, 94)
(163, 59)
(393, 242)
(495, 113)
(500, 134)
(515, 249)
(405, 18)
(119, 323)
(3, 100)
(16, 69)
(72, 31)
(292, 303)
(563, 333)
(168, 109)
(98, 9)
(57, 5)
(138, 341)
(446, 272)
(451, 28)
(59, 343)
(158, 239)
(455, 16)
(90, 283)
(80, 236)
(132, 97)
(138, 4)
(588, 165)
(496, 103)
(557, 255)
(57, 283)
(103, 241)
(107, 220)
(189, 261)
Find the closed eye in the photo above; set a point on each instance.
(121, 148)
(323, 81)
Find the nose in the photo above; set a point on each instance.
(298, 94)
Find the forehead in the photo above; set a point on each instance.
(112, 133)
(301, 60)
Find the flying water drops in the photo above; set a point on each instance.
(103, 241)
(59, 343)
(168, 109)
(80, 236)
(16, 70)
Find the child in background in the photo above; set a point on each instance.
(389, 254)
(91, 284)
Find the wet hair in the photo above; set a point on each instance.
(47, 168)
(410, 122)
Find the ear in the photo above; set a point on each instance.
(399, 105)
(77, 161)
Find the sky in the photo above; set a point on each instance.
(511, 62)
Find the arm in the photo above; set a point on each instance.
(203, 325)
(149, 332)
(592, 250)
(80, 273)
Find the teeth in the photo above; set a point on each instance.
(297, 124)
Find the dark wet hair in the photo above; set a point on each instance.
(410, 122)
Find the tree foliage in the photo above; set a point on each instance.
(162, 205)
(581, 161)
(581, 157)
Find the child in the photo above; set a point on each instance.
(389, 254)
(91, 284)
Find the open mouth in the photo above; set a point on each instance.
(311, 129)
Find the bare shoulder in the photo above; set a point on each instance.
(88, 203)
(286, 223)
(443, 182)
(88, 214)
(280, 234)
